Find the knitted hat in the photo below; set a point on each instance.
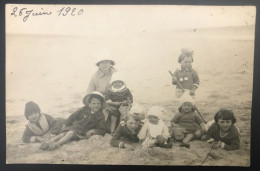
(117, 76)
(186, 98)
(30, 108)
(95, 93)
(155, 111)
(185, 53)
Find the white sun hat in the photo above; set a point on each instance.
(155, 111)
(104, 56)
(86, 98)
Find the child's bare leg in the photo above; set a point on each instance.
(58, 137)
(188, 138)
(198, 133)
(113, 123)
(67, 137)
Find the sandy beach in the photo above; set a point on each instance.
(54, 72)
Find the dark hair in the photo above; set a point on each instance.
(185, 53)
(95, 96)
(180, 109)
(225, 115)
(30, 108)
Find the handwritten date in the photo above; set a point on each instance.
(25, 13)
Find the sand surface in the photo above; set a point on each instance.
(55, 71)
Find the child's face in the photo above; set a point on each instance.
(117, 84)
(34, 117)
(95, 104)
(153, 119)
(186, 107)
(132, 124)
(186, 63)
(224, 125)
(104, 65)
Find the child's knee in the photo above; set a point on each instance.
(197, 134)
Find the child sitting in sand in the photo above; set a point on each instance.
(83, 123)
(119, 96)
(223, 131)
(154, 132)
(186, 123)
(40, 125)
(187, 77)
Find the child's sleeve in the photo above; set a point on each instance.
(165, 132)
(129, 94)
(175, 74)
(101, 127)
(53, 124)
(91, 86)
(198, 119)
(115, 140)
(196, 80)
(72, 117)
(235, 143)
(143, 132)
(27, 134)
(176, 118)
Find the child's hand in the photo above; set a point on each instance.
(39, 139)
(216, 145)
(174, 79)
(128, 146)
(192, 92)
(89, 134)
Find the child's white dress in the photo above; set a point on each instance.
(150, 131)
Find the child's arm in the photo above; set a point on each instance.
(174, 121)
(30, 137)
(235, 143)
(202, 127)
(115, 140)
(174, 77)
(72, 117)
(196, 82)
(143, 133)
(109, 102)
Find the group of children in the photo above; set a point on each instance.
(126, 122)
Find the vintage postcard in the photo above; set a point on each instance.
(129, 84)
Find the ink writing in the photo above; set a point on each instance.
(26, 13)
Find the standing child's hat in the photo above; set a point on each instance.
(186, 97)
(155, 111)
(117, 76)
(94, 93)
(30, 108)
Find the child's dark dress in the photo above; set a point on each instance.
(231, 140)
(123, 132)
(83, 120)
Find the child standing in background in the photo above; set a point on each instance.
(40, 125)
(118, 96)
(155, 132)
(186, 76)
(190, 122)
(223, 131)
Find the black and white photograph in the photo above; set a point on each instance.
(157, 85)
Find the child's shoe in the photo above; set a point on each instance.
(183, 144)
(52, 145)
(167, 145)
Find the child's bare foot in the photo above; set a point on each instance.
(52, 145)
(44, 146)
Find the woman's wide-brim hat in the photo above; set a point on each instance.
(86, 98)
(104, 57)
